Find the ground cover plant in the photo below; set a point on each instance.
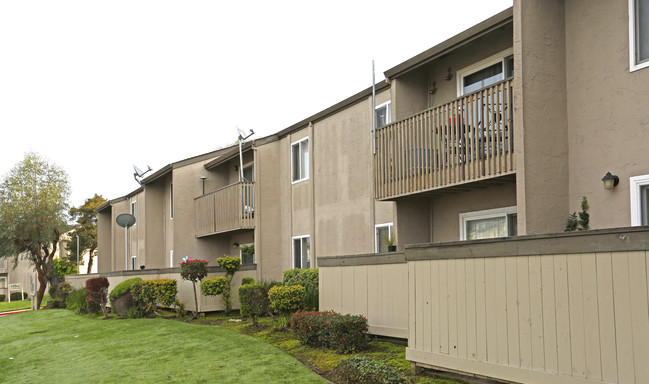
(136, 351)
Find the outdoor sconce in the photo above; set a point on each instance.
(610, 181)
(235, 244)
(142, 266)
(450, 75)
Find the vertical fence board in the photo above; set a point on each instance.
(562, 314)
(549, 314)
(639, 313)
(524, 317)
(606, 316)
(576, 312)
(591, 316)
(491, 309)
(623, 333)
(513, 337)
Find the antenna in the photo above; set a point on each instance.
(139, 174)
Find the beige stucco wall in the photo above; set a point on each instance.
(20, 274)
(540, 116)
(607, 109)
(335, 206)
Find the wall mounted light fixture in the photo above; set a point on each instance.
(450, 75)
(610, 181)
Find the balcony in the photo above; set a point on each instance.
(227, 209)
(469, 139)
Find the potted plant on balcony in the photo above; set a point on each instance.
(389, 241)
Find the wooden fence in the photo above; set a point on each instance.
(563, 308)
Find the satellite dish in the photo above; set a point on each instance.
(139, 174)
(125, 220)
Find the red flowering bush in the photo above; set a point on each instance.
(344, 333)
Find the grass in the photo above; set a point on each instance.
(6, 306)
(321, 360)
(57, 346)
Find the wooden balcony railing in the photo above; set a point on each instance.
(468, 139)
(226, 209)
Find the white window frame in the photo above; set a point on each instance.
(293, 250)
(171, 258)
(388, 105)
(485, 214)
(480, 65)
(171, 201)
(633, 65)
(299, 143)
(377, 241)
(134, 210)
(3, 278)
(241, 253)
(133, 262)
(635, 183)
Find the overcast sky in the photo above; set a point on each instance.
(97, 86)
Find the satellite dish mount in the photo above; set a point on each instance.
(242, 137)
(126, 221)
(139, 174)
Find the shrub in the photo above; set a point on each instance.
(149, 294)
(286, 300)
(76, 301)
(344, 333)
(96, 291)
(253, 300)
(222, 285)
(362, 369)
(303, 277)
(15, 296)
(59, 293)
(193, 270)
(3, 297)
(123, 287)
(229, 264)
(247, 280)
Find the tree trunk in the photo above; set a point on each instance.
(195, 301)
(90, 259)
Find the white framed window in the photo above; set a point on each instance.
(3, 282)
(382, 232)
(300, 160)
(247, 254)
(171, 258)
(638, 34)
(490, 223)
(171, 201)
(134, 209)
(302, 252)
(485, 72)
(133, 262)
(639, 186)
(383, 114)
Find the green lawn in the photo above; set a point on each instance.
(6, 306)
(56, 346)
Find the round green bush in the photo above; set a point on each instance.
(247, 280)
(229, 264)
(286, 299)
(123, 287)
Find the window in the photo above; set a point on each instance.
(639, 186)
(133, 208)
(499, 222)
(3, 263)
(171, 258)
(486, 72)
(301, 252)
(247, 253)
(383, 114)
(382, 232)
(639, 34)
(3, 282)
(300, 160)
(133, 262)
(171, 200)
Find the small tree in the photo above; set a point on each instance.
(86, 228)
(579, 224)
(222, 285)
(193, 270)
(33, 214)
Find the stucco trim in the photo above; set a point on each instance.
(604, 240)
(365, 259)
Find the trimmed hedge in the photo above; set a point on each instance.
(303, 277)
(96, 294)
(286, 299)
(253, 300)
(362, 369)
(156, 292)
(123, 287)
(58, 294)
(343, 333)
(247, 280)
(230, 264)
(15, 296)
